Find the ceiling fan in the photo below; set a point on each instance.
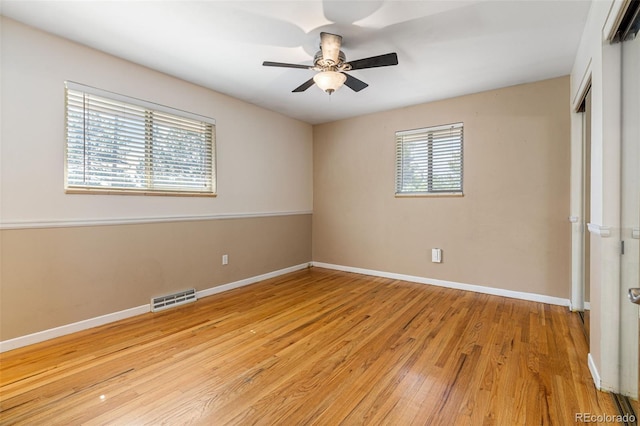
(330, 62)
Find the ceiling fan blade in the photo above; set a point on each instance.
(304, 86)
(375, 61)
(330, 46)
(354, 84)
(283, 65)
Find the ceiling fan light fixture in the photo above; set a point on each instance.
(329, 81)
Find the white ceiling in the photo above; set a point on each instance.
(445, 48)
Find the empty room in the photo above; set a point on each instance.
(319, 212)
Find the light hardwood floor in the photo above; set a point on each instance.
(314, 347)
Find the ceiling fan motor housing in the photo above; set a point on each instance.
(322, 64)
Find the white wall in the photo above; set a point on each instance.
(264, 159)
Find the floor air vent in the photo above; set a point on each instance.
(171, 300)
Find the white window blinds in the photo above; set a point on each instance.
(429, 160)
(116, 143)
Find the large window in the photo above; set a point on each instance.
(429, 161)
(117, 144)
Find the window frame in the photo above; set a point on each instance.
(150, 108)
(428, 134)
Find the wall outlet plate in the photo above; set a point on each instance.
(436, 255)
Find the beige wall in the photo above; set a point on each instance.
(57, 276)
(509, 231)
(61, 261)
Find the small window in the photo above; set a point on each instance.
(117, 144)
(429, 161)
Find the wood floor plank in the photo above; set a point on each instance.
(313, 347)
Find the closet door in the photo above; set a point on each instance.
(630, 217)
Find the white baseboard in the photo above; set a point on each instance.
(41, 336)
(594, 372)
(587, 307)
(63, 330)
(252, 280)
(451, 284)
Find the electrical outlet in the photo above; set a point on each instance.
(225, 259)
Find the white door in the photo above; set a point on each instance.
(630, 217)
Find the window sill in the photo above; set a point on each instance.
(111, 191)
(432, 195)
